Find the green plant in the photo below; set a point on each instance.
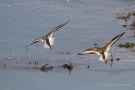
(126, 45)
(120, 45)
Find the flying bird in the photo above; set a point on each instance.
(103, 52)
(49, 40)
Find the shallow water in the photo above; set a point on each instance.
(91, 21)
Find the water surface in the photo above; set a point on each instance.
(91, 21)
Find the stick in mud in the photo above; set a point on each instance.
(35, 63)
(12, 57)
(4, 66)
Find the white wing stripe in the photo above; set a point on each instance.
(86, 52)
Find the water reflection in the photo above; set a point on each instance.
(111, 63)
(111, 56)
(23, 64)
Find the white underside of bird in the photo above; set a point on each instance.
(106, 57)
(51, 41)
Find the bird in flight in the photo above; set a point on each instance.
(103, 52)
(49, 40)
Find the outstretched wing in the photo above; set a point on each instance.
(56, 28)
(94, 50)
(108, 45)
(35, 41)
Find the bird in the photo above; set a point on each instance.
(49, 40)
(103, 52)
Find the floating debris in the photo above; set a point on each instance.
(65, 66)
(132, 13)
(117, 59)
(66, 53)
(126, 17)
(130, 26)
(11, 58)
(133, 24)
(125, 26)
(69, 67)
(45, 68)
(88, 66)
(134, 35)
(95, 44)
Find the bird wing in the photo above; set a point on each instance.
(55, 29)
(94, 50)
(116, 38)
(35, 41)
